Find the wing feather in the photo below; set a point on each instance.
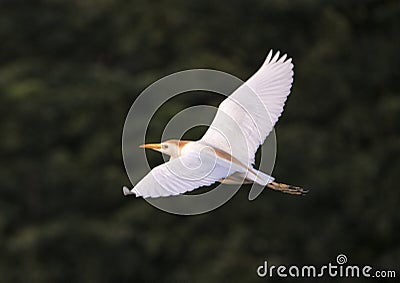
(248, 115)
(180, 175)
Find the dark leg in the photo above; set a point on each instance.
(289, 189)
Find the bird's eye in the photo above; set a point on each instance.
(165, 146)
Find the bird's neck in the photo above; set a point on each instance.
(181, 146)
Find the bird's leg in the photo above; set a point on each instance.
(289, 189)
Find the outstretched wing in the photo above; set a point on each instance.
(248, 115)
(180, 175)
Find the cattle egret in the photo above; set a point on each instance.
(226, 152)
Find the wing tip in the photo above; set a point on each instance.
(271, 58)
(276, 57)
(128, 192)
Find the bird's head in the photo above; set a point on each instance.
(170, 147)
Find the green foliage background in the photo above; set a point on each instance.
(69, 72)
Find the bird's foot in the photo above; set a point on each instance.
(289, 189)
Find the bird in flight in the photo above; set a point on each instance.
(226, 152)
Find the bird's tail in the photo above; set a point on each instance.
(264, 179)
(259, 177)
(251, 176)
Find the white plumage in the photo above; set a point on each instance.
(227, 150)
(254, 108)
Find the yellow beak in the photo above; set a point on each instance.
(155, 146)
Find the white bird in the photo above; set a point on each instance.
(226, 152)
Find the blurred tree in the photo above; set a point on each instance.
(69, 71)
